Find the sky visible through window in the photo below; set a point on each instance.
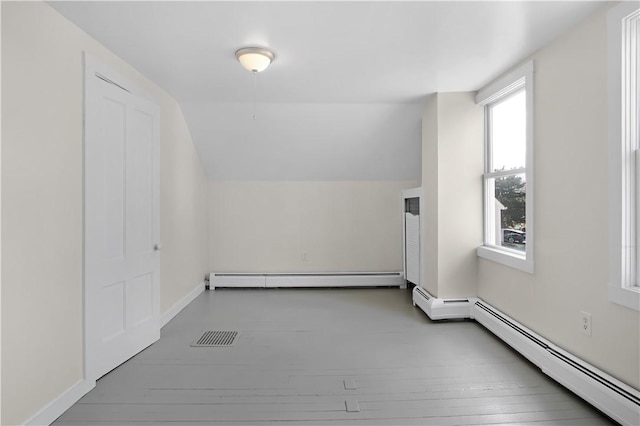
(509, 136)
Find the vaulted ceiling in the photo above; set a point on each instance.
(344, 97)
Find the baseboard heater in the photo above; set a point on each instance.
(441, 309)
(320, 279)
(614, 398)
(611, 396)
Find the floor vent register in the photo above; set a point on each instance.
(216, 338)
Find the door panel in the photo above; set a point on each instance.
(111, 154)
(139, 184)
(112, 311)
(121, 225)
(139, 300)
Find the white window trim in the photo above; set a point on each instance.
(515, 80)
(623, 156)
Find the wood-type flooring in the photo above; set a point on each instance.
(326, 357)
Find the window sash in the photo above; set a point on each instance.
(490, 231)
(624, 160)
(629, 93)
(513, 90)
(634, 260)
(632, 124)
(502, 173)
(509, 85)
(491, 175)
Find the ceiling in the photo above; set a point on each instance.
(343, 99)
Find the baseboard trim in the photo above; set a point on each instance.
(441, 309)
(58, 406)
(301, 280)
(608, 394)
(181, 304)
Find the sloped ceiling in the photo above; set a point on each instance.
(344, 97)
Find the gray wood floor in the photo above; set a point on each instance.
(326, 356)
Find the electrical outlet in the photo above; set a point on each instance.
(305, 256)
(585, 324)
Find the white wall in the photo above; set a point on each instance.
(183, 210)
(571, 212)
(460, 154)
(452, 186)
(429, 208)
(42, 101)
(264, 226)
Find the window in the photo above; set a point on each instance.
(624, 151)
(508, 183)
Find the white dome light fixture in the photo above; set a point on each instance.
(255, 59)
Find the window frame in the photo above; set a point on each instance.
(518, 79)
(623, 27)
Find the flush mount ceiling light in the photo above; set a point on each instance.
(255, 59)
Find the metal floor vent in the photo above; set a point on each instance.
(216, 338)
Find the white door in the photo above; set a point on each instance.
(412, 249)
(121, 224)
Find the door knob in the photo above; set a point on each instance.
(157, 247)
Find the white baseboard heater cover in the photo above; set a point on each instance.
(611, 396)
(440, 309)
(614, 398)
(322, 279)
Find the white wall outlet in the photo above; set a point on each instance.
(305, 256)
(585, 323)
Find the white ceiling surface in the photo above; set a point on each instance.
(343, 99)
(314, 141)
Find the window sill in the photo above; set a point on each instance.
(507, 258)
(629, 297)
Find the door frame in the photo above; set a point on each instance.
(413, 193)
(94, 69)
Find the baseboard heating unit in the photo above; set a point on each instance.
(614, 398)
(440, 309)
(323, 279)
